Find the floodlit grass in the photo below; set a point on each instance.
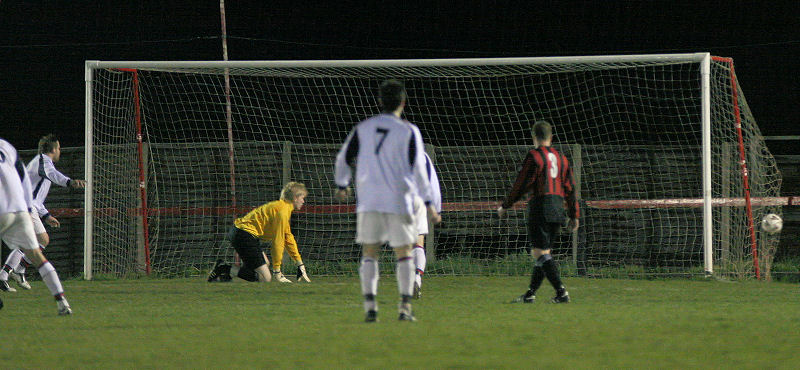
(464, 322)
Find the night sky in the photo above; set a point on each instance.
(43, 47)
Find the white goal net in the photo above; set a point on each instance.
(632, 126)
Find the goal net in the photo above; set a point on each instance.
(632, 127)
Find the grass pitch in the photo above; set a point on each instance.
(464, 322)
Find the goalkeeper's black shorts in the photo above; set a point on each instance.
(249, 249)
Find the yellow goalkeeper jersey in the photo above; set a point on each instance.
(270, 223)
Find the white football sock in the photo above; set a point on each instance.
(405, 276)
(50, 278)
(22, 265)
(12, 261)
(419, 261)
(368, 272)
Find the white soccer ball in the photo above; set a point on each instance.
(772, 223)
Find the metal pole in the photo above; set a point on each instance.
(705, 103)
(228, 113)
(88, 213)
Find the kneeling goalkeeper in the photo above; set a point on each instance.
(269, 223)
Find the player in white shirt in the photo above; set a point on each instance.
(16, 227)
(420, 260)
(41, 172)
(387, 154)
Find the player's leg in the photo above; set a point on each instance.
(16, 263)
(402, 236)
(254, 266)
(264, 276)
(21, 235)
(550, 266)
(222, 271)
(418, 253)
(370, 233)
(405, 280)
(368, 273)
(50, 279)
(538, 239)
(277, 261)
(216, 271)
(17, 273)
(247, 272)
(13, 260)
(22, 266)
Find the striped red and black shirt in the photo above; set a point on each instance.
(547, 176)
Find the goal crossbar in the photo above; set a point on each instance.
(660, 58)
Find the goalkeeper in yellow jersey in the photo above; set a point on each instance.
(269, 223)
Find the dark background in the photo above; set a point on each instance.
(43, 45)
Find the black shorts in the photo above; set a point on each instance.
(249, 248)
(543, 234)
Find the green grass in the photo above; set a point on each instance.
(464, 322)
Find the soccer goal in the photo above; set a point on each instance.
(671, 168)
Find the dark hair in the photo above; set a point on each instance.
(391, 94)
(47, 143)
(542, 130)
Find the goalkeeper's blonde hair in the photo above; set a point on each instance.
(292, 190)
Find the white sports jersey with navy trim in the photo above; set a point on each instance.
(15, 188)
(388, 156)
(42, 173)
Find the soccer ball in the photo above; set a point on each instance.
(772, 223)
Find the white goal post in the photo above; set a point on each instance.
(670, 162)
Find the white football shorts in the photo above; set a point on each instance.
(16, 230)
(38, 226)
(379, 227)
(421, 215)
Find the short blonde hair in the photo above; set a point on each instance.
(292, 189)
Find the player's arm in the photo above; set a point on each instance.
(573, 209)
(51, 173)
(45, 215)
(27, 188)
(294, 252)
(276, 226)
(284, 240)
(345, 162)
(290, 242)
(518, 189)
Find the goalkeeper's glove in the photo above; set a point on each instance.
(301, 274)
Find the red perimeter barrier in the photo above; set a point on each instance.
(446, 207)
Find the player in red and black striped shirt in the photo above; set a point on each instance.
(547, 176)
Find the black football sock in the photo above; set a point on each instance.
(536, 279)
(225, 273)
(247, 274)
(550, 268)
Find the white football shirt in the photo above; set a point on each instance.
(15, 188)
(42, 173)
(388, 156)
